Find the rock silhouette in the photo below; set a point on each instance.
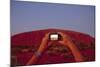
(24, 45)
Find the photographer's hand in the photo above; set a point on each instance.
(42, 48)
(68, 43)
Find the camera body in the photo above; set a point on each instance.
(55, 36)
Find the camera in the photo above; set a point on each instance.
(55, 36)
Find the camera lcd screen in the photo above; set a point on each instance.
(54, 37)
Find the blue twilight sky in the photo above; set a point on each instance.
(29, 16)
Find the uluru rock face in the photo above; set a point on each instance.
(55, 53)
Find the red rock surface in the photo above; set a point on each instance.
(32, 40)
